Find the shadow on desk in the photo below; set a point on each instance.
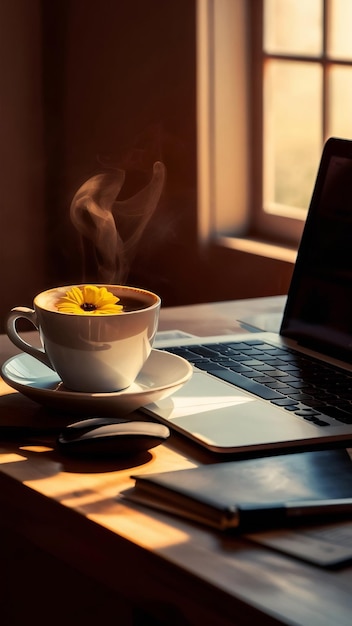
(37, 588)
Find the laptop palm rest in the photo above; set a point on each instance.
(224, 418)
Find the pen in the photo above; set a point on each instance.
(273, 515)
(318, 507)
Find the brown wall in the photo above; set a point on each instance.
(91, 84)
(22, 161)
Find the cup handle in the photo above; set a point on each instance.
(30, 315)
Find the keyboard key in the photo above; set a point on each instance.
(267, 347)
(283, 389)
(300, 384)
(250, 374)
(253, 363)
(279, 385)
(264, 367)
(204, 351)
(337, 414)
(240, 358)
(203, 365)
(255, 342)
(237, 345)
(246, 384)
(283, 376)
(285, 402)
(289, 367)
(263, 379)
(306, 412)
(238, 367)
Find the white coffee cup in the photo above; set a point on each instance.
(91, 353)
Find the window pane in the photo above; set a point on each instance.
(340, 102)
(293, 26)
(292, 132)
(339, 34)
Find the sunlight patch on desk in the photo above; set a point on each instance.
(11, 458)
(114, 513)
(32, 448)
(82, 498)
(131, 519)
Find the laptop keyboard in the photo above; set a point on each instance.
(299, 383)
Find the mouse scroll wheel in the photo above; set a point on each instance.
(109, 431)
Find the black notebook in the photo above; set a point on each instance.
(256, 493)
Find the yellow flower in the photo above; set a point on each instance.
(89, 300)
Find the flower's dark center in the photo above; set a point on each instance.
(86, 306)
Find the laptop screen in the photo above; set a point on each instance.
(318, 313)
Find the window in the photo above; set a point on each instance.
(279, 82)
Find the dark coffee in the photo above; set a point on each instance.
(132, 304)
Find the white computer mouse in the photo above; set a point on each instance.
(101, 436)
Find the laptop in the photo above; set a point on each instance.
(265, 392)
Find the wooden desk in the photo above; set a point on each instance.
(74, 553)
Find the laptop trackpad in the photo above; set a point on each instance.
(219, 414)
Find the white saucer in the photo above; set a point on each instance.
(162, 374)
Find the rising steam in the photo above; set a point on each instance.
(114, 227)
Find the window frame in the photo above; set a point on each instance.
(222, 138)
(228, 200)
(286, 229)
(230, 125)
